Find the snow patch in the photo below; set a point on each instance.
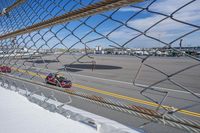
(19, 115)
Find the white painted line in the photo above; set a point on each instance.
(117, 81)
(124, 82)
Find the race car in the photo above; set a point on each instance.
(56, 79)
(5, 69)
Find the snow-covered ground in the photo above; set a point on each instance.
(19, 115)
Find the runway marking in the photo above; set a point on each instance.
(124, 82)
(119, 96)
(132, 99)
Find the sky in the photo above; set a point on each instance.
(111, 28)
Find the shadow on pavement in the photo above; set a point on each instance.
(91, 66)
(69, 69)
(43, 61)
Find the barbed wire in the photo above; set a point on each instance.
(34, 30)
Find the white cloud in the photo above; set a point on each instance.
(129, 9)
(189, 13)
(144, 23)
(167, 30)
(167, 6)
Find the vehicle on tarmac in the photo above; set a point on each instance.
(58, 80)
(5, 69)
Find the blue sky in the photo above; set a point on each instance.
(166, 31)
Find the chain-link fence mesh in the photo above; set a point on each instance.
(40, 37)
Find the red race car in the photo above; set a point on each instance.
(58, 80)
(5, 69)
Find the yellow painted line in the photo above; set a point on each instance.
(29, 72)
(132, 99)
(144, 102)
(115, 95)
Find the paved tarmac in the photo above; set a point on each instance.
(114, 75)
(124, 68)
(126, 119)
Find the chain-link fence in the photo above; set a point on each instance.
(160, 37)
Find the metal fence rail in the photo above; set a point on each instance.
(6, 10)
(31, 30)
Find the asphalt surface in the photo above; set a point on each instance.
(124, 68)
(126, 119)
(114, 74)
